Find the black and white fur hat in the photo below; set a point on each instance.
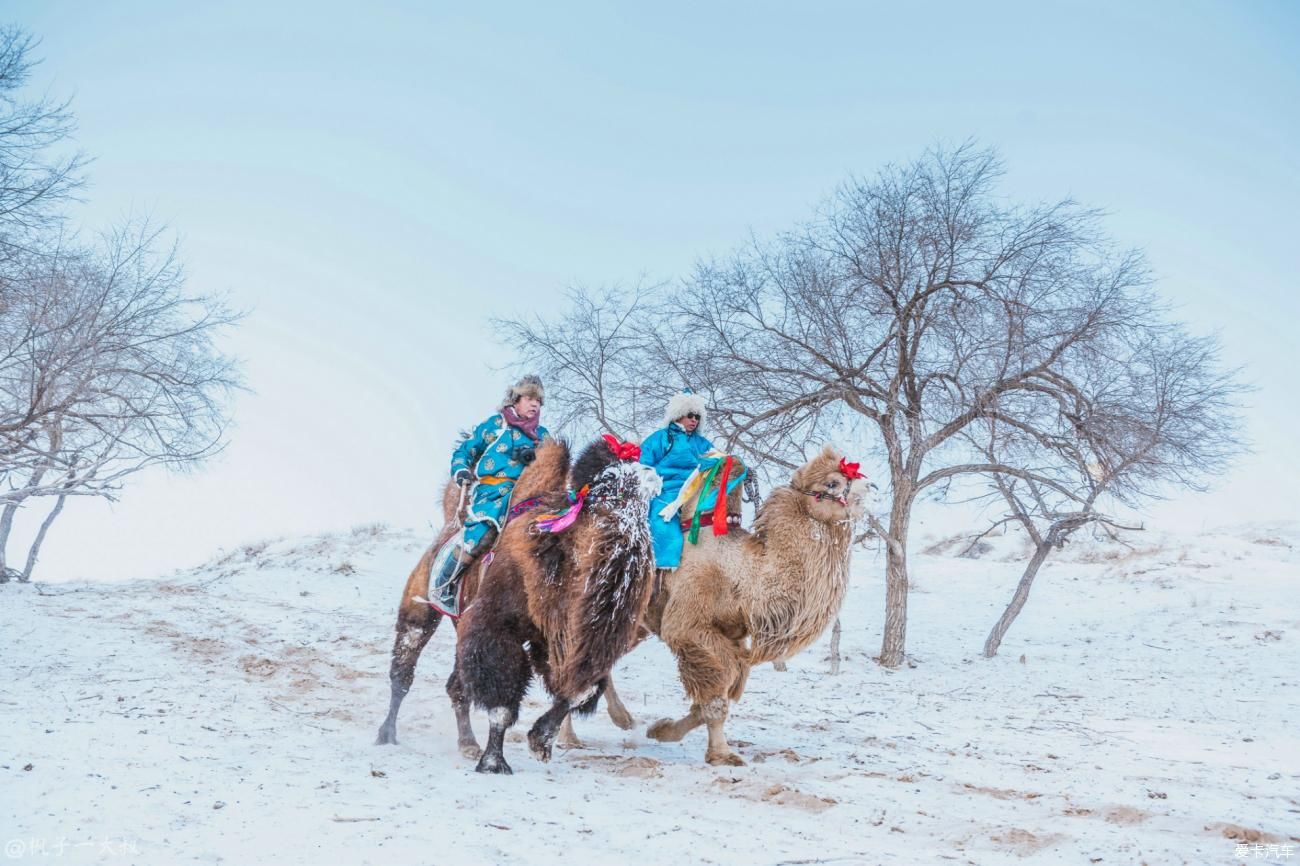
(527, 386)
(681, 404)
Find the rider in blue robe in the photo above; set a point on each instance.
(488, 461)
(675, 451)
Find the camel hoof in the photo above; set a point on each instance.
(539, 747)
(495, 765)
(471, 751)
(663, 731)
(623, 719)
(387, 736)
(726, 759)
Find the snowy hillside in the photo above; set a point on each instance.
(1143, 710)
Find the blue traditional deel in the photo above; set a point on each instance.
(674, 454)
(490, 453)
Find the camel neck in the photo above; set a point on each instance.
(801, 584)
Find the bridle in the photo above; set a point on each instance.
(820, 495)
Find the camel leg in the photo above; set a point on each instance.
(738, 685)
(465, 740)
(567, 739)
(585, 706)
(544, 730)
(706, 662)
(618, 713)
(494, 674)
(542, 735)
(412, 635)
(719, 751)
(672, 730)
(493, 760)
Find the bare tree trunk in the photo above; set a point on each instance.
(893, 646)
(6, 525)
(40, 538)
(835, 648)
(54, 431)
(11, 509)
(1017, 600)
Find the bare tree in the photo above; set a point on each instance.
(35, 179)
(595, 359)
(107, 367)
(915, 305)
(1158, 414)
(916, 309)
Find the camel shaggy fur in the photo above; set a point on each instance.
(564, 603)
(417, 621)
(746, 598)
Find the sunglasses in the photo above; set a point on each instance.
(694, 416)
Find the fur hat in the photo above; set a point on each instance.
(527, 386)
(681, 404)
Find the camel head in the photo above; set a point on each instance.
(612, 472)
(834, 489)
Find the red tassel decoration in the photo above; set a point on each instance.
(622, 450)
(720, 502)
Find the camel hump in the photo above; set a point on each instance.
(546, 474)
(450, 500)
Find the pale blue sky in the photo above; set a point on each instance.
(375, 181)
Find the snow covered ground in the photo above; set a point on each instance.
(1143, 710)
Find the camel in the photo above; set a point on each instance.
(563, 598)
(417, 621)
(746, 598)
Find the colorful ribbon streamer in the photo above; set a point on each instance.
(563, 520)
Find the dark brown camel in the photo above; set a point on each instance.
(417, 621)
(562, 598)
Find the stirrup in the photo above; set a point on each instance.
(445, 581)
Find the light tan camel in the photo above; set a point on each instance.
(746, 598)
